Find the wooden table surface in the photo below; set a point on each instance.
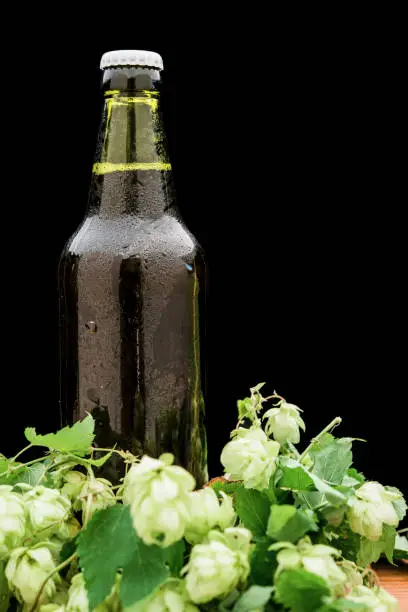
(395, 580)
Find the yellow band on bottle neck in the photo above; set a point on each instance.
(106, 167)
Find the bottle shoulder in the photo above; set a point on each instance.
(130, 234)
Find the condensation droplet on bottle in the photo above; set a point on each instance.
(91, 325)
(189, 267)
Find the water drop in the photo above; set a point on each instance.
(91, 325)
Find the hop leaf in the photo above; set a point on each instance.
(110, 535)
(249, 407)
(399, 503)
(371, 550)
(331, 461)
(4, 589)
(301, 591)
(401, 547)
(255, 598)
(295, 476)
(76, 439)
(253, 510)
(287, 523)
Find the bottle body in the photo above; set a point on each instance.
(132, 299)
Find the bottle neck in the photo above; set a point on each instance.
(131, 173)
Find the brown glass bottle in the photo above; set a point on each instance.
(132, 290)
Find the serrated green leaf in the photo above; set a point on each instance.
(325, 440)
(76, 439)
(301, 591)
(332, 461)
(68, 548)
(401, 547)
(348, 542)
(353, 473)
(253, 508)
(101, 461)
(4, 589)
(371, 551)
(278, 517)
(257, 387)
(32, 474)
(263, 563)
(4, 463)
(255, 598)
(30, 433)
(245, 409)
(78, 460)
(110, 536)
(400, 505)
(29, 474)
(143, 573)
(296, 477)
(174, 557)
(289, 524)
(230, 488)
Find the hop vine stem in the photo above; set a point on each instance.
(23, 450)
(50, 575)
(319, 436)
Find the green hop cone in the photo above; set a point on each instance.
(158, 495)
(353, 574)
(283, 422)
(12, 519)
(78, 598)
(250, 457)
(68, 529)
(72, 487)
(377, 600)
(170, 597)
(87, 494)
(208, 512)
(46, 510)
(371, 508)
(77, 595)
(26, 571)
(317, 559)
(53, 608)
(218, 565)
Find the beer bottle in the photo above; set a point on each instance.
(132, 285)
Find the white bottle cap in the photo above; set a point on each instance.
(150, 59)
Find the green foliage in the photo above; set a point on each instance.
(301, 591)
(76, 439)
(252, 508)
(289, 524)
(308, 501)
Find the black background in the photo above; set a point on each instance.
(283, 143)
